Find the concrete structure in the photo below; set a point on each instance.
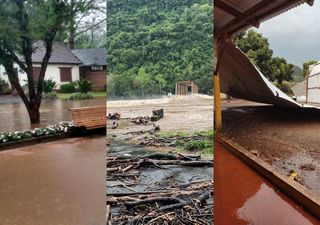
(186, 88)
(94, 66)
(313, 84)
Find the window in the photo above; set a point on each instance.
(36, 72)
(65, 74)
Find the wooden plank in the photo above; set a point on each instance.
(296, 191)
(89, 117)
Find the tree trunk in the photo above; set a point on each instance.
(34, 114)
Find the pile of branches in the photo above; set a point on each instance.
(173, 141)
(181, 204)
(189, 203)
(141, 120)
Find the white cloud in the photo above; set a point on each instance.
(295, 35)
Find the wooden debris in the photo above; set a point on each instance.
(157, 115)
(114, 116)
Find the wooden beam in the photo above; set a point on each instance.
(227, 8)
(249, 14)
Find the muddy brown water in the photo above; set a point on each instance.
(288, 139)
(243, 197)
(56, 183)
(14, 116)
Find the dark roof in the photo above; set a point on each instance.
(61, 54)
(92, 56)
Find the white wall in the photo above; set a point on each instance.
(53, 72)
(314, 84)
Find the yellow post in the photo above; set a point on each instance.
(217, 103)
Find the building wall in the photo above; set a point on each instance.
(313, 85)
(53, 72)
(98, 78)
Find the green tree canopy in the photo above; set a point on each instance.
(305, 68)
(171, 39)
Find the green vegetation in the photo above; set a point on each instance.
(80, 96)
(84, 86)
(306, 65)
(49, 95)
(4, 88)
(153, 44)
(94, 94)
(68, 87)
(204, 144)
(48, 85)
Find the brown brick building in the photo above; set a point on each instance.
(94, 66)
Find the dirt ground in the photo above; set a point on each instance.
(288, 139)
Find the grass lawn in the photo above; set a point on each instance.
(95, 94)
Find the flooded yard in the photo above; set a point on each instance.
(60, 182)
(14, 116)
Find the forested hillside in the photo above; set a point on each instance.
(152, 44)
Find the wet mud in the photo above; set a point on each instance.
(287, 139)
(243, 197)
(54, 183)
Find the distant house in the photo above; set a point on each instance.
(93, 67)
(63, 66)
(186, 88)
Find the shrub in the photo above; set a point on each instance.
(80, 96)
(68, 88)
(4, 87)
(48, 85)
(50, 95)
(84, 86)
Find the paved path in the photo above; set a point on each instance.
(56, 183)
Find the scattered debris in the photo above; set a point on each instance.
(114, 124)
(157, 115)
(254, 152)
(141, 120)
(178, 203)
(114, 116)
(307, 166)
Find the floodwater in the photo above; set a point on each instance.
(14, 116)
(181, 113)
(243, 197)
(56, 183)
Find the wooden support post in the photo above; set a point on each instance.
(217, 103)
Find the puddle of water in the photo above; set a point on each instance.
(243, 197)
(60, 182)
(14, 116)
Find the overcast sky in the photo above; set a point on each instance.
(295, 35)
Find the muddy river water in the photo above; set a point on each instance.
(55, 183)
(14, 116)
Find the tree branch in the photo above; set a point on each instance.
(89, 28)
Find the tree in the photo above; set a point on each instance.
(26, 25)
(173, 38)
(84, 16)
(256, 47)
(161, 82)
(142, 80)
(305, 69)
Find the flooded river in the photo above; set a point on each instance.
(14, 116)
(61, 182)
